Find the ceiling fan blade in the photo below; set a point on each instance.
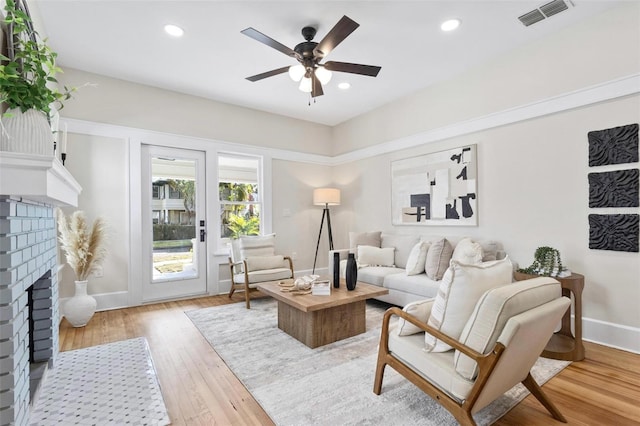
(316, 86)
(257, 35)
(268, 74)
(338, 33)
(368, 70)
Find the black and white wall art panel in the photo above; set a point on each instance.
(618, 188)
(618, 145)
(618, 232)
(436, 189)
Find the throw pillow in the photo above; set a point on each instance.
(260, 263)
(417, 258)
(489, 250)
(468, 252)
(438, 257)
(364, 239)
(420, 310)
(460, 289)
(375, 256)
(260, 245)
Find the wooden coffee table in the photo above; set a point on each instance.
(320, 320)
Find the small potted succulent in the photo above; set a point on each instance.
(27, 85)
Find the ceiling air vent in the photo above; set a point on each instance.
(545, 11)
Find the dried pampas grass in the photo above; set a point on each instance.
(84, 248)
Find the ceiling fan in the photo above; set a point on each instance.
(310, 72)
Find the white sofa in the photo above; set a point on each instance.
(403, 288)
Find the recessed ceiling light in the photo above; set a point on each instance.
(344, 86)
(173, 30)
(450, 25)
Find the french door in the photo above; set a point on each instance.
(173, 223)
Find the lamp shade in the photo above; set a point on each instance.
(326, 196)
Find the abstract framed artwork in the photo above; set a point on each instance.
(617, 145)
(618, 188)
(617, 232)
(437, 189)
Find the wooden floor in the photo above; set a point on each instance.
(199, 389)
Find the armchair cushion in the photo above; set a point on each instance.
(257, 263)
(492, 311)
(264, 275)
(259, 245)
(421, 310)
(460, 289)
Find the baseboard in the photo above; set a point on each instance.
(106, 301)
(613, 335)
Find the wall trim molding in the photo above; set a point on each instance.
(613, 335)
(612, 89)
(601, 92)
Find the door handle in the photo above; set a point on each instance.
(202, 234)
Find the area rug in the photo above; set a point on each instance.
(332, 384)
(111, 384)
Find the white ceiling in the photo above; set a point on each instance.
(125, 39)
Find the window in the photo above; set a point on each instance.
(240, 195)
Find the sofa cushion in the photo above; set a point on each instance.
(419, 309)
(258, 263)
(375, 275)
(490, 250)
(363, 239)
(403, 245)
(420, 285)
(467, 251)
(417, 258)
(492, 311)
(460, 289)
(375, 256)
(438, 257)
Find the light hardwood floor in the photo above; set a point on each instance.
(199, 389)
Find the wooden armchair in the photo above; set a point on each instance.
(503, 338)
(253, 260)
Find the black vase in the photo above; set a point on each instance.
(351, 275)
(336, 270)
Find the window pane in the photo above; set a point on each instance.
(239, 192)
(239, 219)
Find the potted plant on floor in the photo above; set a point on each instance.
(85, 249)
(27, 86)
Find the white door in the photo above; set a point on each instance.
(173, 223)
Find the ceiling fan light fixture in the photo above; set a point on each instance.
(450, 25)
(305, 85)
(296, 72)
(173, 30)
(323, 74)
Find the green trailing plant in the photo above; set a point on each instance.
(546, 262)
(239, 225)
(28, 74)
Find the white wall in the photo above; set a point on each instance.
(100, 166)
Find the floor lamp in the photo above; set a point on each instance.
(325, 197)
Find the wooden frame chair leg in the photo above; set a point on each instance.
(537, 391)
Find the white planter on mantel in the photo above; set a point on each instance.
(28, 132)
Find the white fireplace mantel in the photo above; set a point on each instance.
(39, 178)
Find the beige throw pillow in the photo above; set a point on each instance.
(420, 310)
(460, 289)
(375, 256)
(467, 251)
(417, 258)
(259, 245)
(438, 257)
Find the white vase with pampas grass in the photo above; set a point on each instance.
(85, 249)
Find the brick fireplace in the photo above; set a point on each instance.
(30, 188)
